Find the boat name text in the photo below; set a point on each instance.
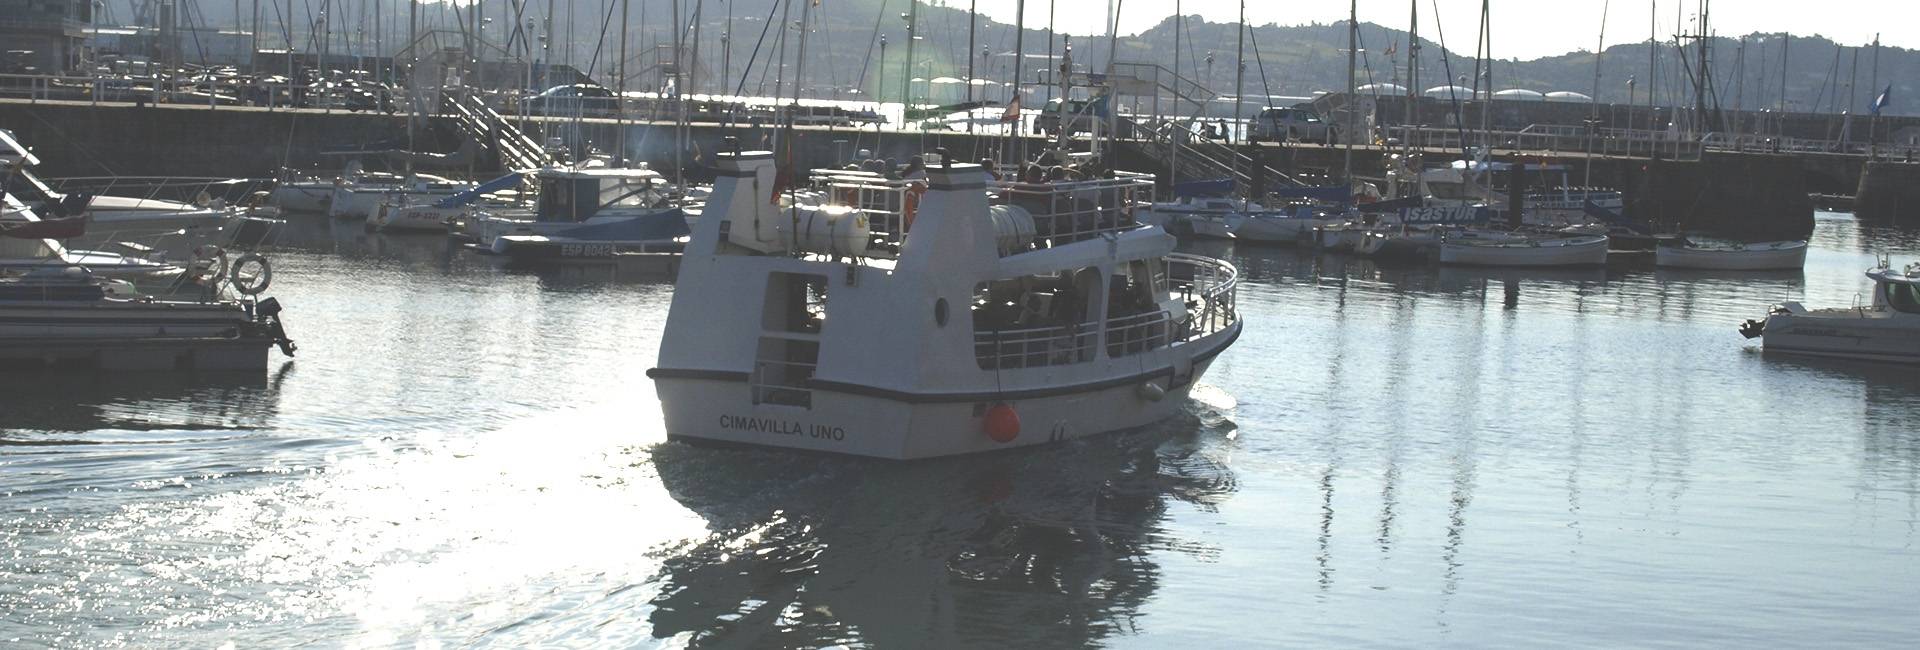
(782, 427)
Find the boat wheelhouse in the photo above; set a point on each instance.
(568, 198)
(972, 315)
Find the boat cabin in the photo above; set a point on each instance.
(575, 195)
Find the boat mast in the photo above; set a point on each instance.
(1353, 55)
(1173, 165)
(973, 23)
(906, 71)
(1240, 67)
(1019, 63)
(679, 99)
(620, 89)
(1113, 99)
(1593, 102)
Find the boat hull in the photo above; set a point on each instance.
(876, 422)
(1844, 334)
(1277, 230)
(1752, 258)
(130, 336)
(302, 197)
(1568, 252)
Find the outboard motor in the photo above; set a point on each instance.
(1753, 328)
(267, 313)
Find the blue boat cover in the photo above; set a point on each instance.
(468, 196)
(657, 226)
(1213, 187)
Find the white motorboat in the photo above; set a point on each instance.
(1732, 256)
(993, 326)
(1531, 251)
(1886, 330)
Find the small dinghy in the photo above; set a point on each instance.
(1586, 250)
(1732, 256)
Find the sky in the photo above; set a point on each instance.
(1523, 29)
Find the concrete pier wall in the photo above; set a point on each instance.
(1889, 192)
(1755, 196)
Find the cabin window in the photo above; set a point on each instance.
(1903, 297)
(1036, 320)
(1136, 319)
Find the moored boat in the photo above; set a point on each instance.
(1585, 250)
(1733, 256)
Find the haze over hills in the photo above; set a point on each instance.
(843, 52)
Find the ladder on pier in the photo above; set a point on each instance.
(482, 124)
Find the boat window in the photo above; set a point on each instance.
(1903, 297)
(1136, 321)
(1036, 320)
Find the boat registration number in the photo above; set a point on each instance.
(586, 250)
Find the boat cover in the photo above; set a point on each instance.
(468, 196)
(658, 226)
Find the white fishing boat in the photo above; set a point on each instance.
(1732, 256)
(1530, 251)
(1888, 329)
(1044, 315)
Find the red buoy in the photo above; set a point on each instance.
(1003, 424)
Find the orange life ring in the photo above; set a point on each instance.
(850, 196)
(911, 205)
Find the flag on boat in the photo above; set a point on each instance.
(1886, 97)
(1012, 113)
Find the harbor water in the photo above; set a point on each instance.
(1389, 457)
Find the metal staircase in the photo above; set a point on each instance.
(482, 124)
(1199, 158)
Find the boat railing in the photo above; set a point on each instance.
(1209, 287)
(1137, 333)
(782, 382)
(1035, 347)
(1068, 211)
(888, 203)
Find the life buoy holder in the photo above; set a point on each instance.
(911, 205)
(250, 274)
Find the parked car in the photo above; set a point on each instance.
(572, 99)
(1297, 124)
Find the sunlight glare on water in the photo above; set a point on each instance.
(1390, 456)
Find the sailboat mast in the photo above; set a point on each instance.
(973, 23)
(1593, 102)
(800, 68)
(1353, 55)
(1240, 68)
(1413, 71)
(620, 88)
(1019, 63)
(906, 71)
(1173, 165)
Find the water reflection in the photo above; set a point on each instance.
(45, 407)
(1052, 548)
